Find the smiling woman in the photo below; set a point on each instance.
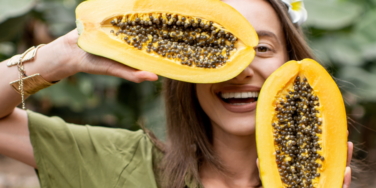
(223, 115)
(210, 127)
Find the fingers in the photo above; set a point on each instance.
(82, 61)
(98, 65)
(131, 74)
(258, 167)
(145, 76)
(350, 148)
(72, 37)
(347, 179)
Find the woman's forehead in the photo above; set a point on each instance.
(260, 14)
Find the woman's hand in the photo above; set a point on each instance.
(60, 59)
(70, 59)
(347, 178)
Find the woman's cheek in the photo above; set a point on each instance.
(266, 66)
(207, 99)
(240, 124)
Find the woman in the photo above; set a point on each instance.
(210, 143)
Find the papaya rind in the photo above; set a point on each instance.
(334, 126)
(93, 40)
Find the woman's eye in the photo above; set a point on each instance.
(262, 49)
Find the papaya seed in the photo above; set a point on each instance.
(300, 144)
(199, 40)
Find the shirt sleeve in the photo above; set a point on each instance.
(77, 156)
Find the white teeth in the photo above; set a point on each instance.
(239, 95)
(231, 95)
(238, 104)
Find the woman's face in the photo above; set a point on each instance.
(231, 105)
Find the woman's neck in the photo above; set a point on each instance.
(238, 156)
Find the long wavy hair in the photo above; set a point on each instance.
(189, 131)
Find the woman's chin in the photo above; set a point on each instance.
(238, 126)
(242, 131)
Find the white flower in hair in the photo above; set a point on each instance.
(296, 10)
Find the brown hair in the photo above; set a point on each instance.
(189, 132)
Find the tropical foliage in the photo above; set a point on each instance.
(341, 32)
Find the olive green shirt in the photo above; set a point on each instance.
(77, 156)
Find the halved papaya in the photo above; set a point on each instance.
(301, 128)
(199, 41)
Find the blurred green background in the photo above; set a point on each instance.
(342, 34)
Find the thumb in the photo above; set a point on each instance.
(347, 179)
(258, 166)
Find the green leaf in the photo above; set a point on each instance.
(15, 8)
(369, 52)
(331, 14)
(362, 81)
(339, 49)
(364, 35)
(13, 15)
(7, 48)
(59, 15)
(366, 27)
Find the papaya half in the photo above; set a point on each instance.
(301, 128)
(199, 41)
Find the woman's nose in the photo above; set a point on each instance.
(245, 74)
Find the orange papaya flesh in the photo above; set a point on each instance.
(189, 40)
(301, 128)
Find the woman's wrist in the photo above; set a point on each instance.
(52, 61)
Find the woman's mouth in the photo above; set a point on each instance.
(239, 98)
(242, 101)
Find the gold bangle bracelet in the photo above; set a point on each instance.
(28, 55)
(27, 85)
(31, 84)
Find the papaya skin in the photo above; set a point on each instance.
(93, 38)
(334, 127)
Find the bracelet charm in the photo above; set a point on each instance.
(29, 84)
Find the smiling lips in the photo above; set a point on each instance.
(239, 99)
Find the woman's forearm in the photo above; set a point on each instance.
(46, 62)
(8, 97)
(58, 60)
(54, 61)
